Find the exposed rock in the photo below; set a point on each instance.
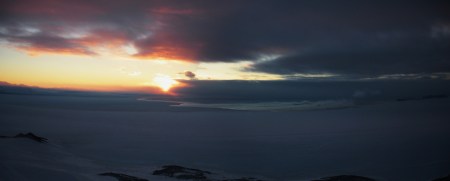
(122, 177)
(180, 172)
(32, 137)
(243, 179)
(345, 178)
(29, 136)
(447, 178)
(184, 173)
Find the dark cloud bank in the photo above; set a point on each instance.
(351, 38)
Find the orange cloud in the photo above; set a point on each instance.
(105, 38)
(166, 53)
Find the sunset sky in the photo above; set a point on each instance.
(131, 45)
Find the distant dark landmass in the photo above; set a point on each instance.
(21, 89)
(7, 88)
(439, 96)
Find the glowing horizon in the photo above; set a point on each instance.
(110, 72)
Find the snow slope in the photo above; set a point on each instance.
(90, 135)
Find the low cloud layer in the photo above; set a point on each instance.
(351, 38)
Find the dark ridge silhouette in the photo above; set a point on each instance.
(30, 136)
(122, 177)
(345, 178)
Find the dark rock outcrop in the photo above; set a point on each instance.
(122, 177)
(243, 179)
(345, 178)
(30, 136)
(184, 173)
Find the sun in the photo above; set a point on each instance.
(164, 82)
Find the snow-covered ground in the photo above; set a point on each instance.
(90, 135)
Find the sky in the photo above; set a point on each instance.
(143, 44)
